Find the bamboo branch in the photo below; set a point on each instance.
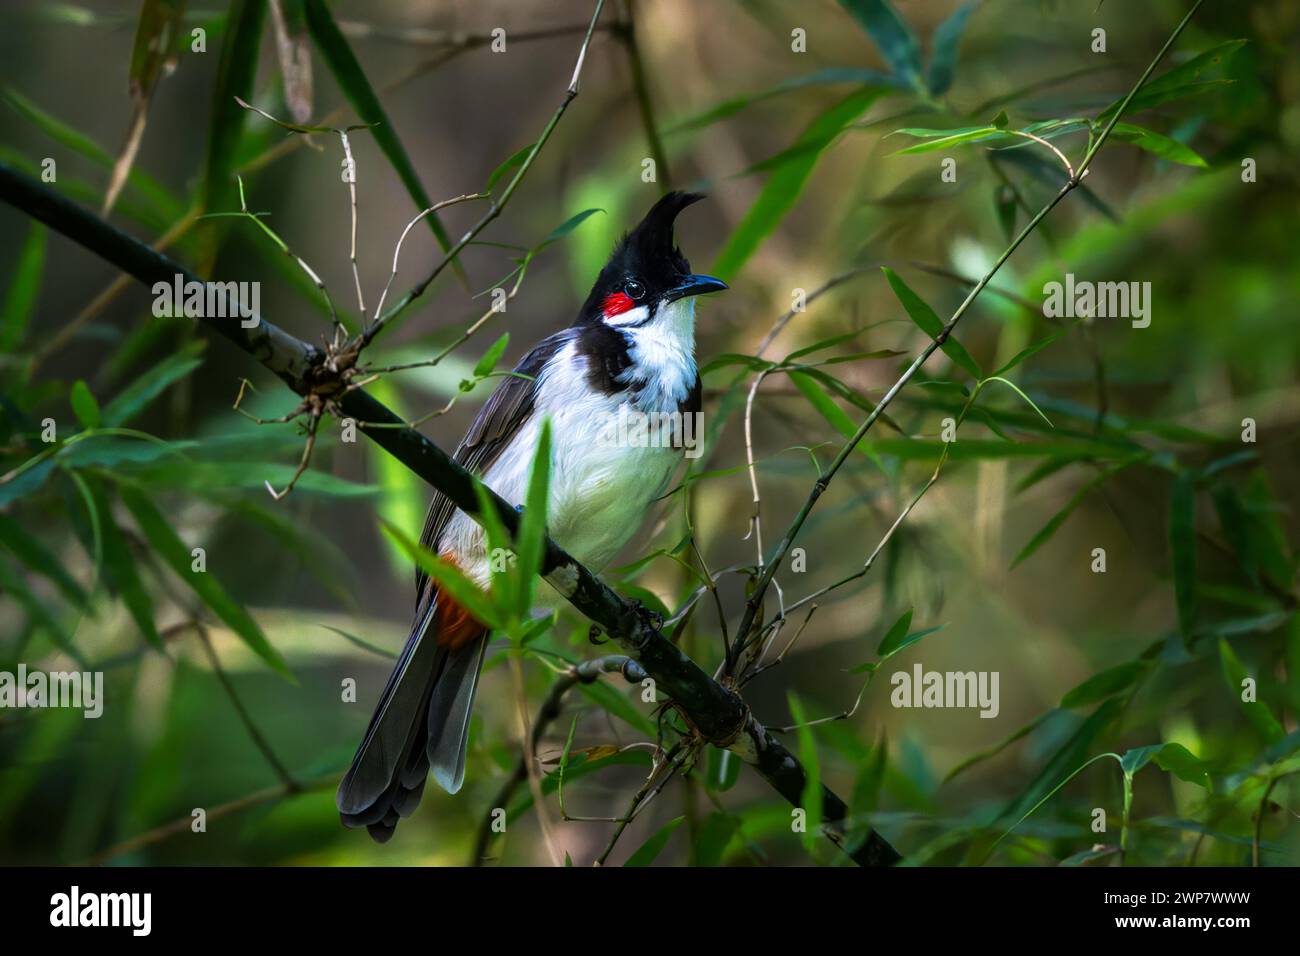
(769, 569)
(715, 712)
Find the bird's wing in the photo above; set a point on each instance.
(497, 422)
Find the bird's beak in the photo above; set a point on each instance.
(694, 285)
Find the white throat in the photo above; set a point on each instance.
(663, 356)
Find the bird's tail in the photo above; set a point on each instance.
(421, 721)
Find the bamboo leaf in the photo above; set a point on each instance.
(531, 544)
(1158, 144)
(450, 578)
(894, 636)
(782, 189)
(169, 546)
(612, 701)
(1054, 523)
(511, 162)
(891, 35)
(929, 322)
(648, 851)
(1182, 544)
(342, 62)
(830, 76)
(84, 405)
(943, 57)
(488, 362)
(1108, 682)
(236, 70)
(136, 397)
(1236, 675)
(120, 567)
(1188, 79)
(31, 552)
(24, 287)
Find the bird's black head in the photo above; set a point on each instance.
(646, 271)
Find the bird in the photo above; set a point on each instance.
(631, 350)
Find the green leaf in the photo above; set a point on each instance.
(830, 76)
(566, 227)
(530, 546)
(75, 141)
(943, 55)
(490, 358)
(31, 552)
(338, 56)
(646, 853)
(1184, 765)
(811, 799)
(907, 640)
(782, 189)
(892, 36)
(612, 701)
(236, 70)
(1188, 79)
(24, 287)
(1029, 351)
(1004, 203)
(942, 139)
(450, 578)
(1028, 401)
(84, 405)
(1182, 544)
(169, 546)
(360, 642)
(1068, 760)
(505, 582)
(1134, 760)
(1054, 523)
(715, 834)
(929, 322)
(135, 397)
(894, 636)
(1084, 857)
(1235, 674)
(1158, 144)
(14, 587)
(514, 160)
(120, 566)
(824, 404)
(1103, 685)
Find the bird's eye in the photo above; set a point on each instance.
(634, 289)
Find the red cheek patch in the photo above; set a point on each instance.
(616, 303)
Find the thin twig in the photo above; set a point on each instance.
(494, 210)
(819, 487)
(397, 250)
(290, 784)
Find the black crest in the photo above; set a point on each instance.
(647, 255)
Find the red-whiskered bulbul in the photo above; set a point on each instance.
(633, 346)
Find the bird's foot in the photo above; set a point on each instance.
(650, 617)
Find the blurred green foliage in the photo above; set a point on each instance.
(1170, 450)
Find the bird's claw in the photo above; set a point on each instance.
(652, 618)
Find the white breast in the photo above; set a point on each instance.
(599, 495)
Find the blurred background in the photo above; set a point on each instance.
(787, 116)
